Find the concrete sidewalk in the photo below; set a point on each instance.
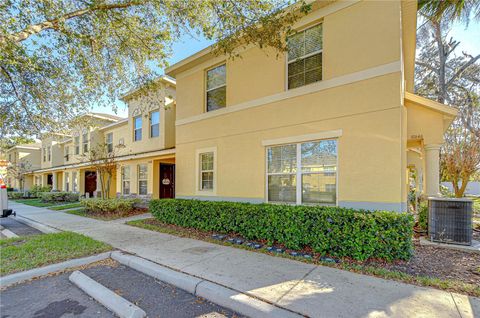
(310, 290)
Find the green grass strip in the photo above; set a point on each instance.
(24, 253)
(66, 206)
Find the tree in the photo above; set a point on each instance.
(18, 171)
(58, 58)
(448, 77)
(103, 157)
(437, 10)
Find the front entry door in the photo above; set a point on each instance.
(167, 181)
(90, 182)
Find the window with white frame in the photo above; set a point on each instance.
(109, 142)
(74, 182)
(216, 88)
(207, 171)
(67, 181)
(85, 142)
(126, 180)
(154, 124)
(49, 152)
(137, 128)
(44, 154)
(67, 153)
(305, 57)
(77, 145)
(142, 179)
(303, 173)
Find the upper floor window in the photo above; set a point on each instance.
(305, 57)
(155, 124)
(216, 87)
(49, 153)
(10, 157)
(137, 128)
(85, 142)
(77, 144)
(109, 142)
(67, 153)
(44, 154)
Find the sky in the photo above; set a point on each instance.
(469, 37)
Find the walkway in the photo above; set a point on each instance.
(311, 290)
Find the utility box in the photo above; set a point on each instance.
(450, 220)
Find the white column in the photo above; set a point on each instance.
(432, 169)
(54, 181)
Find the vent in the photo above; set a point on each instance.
(450, 220)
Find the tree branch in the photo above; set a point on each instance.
(462, 69)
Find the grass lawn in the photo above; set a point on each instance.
(357, 267)
(36, 202)
(106, 217)
(66, 206)
(23, 253)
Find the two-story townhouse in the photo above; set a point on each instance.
(142, 145)
(334, 120)
(25, 158)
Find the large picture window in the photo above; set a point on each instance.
(126, 180)
(155, 124)
(137, 128)
(142, 179)
(303, 173)
(216, 88)
(305, 57)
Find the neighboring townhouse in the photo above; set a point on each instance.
(24, 158)
(332, 121)
(142, 144)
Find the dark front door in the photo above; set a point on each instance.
(167, 181)
(90, 182)
(50, 179)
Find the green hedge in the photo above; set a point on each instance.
(109, 206)
(59, 196)
(333, 231)
(14, 195)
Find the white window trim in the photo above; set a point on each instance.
(123, 180)
(298, 173)
(211, 89)
(198, 190)
(138, 178)
(305, 56)
(135, 129)
(150, 123)
(327, 134)
(109, 143)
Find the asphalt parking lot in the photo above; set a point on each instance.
(16, 227)
(55, 296)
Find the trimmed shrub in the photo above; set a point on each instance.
(331, 231)
(37, 190)
(59, 196)
(423, 216)
(14, 195)
(109, 206)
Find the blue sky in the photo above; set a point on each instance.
(188, 45)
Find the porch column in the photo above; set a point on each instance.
(54, 181)
(432, 169)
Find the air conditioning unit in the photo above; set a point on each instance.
(450, 220)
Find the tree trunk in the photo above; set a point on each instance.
(442, 58)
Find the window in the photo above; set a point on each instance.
(126, 180)
(216, 88)
(206, 171)
(142, 179)
(77, 145)
(10, 157)
(67, 153)
(155, 124)
(109, 142)
(67, 181)
(49, 153)
(305, 57)
(85, 142)
(137, 128)
(44, 154)
(74, 182)
(304, 173)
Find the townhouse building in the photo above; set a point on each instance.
(24, 158)
(334, 120)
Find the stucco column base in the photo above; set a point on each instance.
(432, 170)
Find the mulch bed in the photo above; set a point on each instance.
(430, 261)
(117, 215)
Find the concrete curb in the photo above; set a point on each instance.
(223, 296)
(36, 225)
(36, 272)
(8, 233)
(117, 304)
